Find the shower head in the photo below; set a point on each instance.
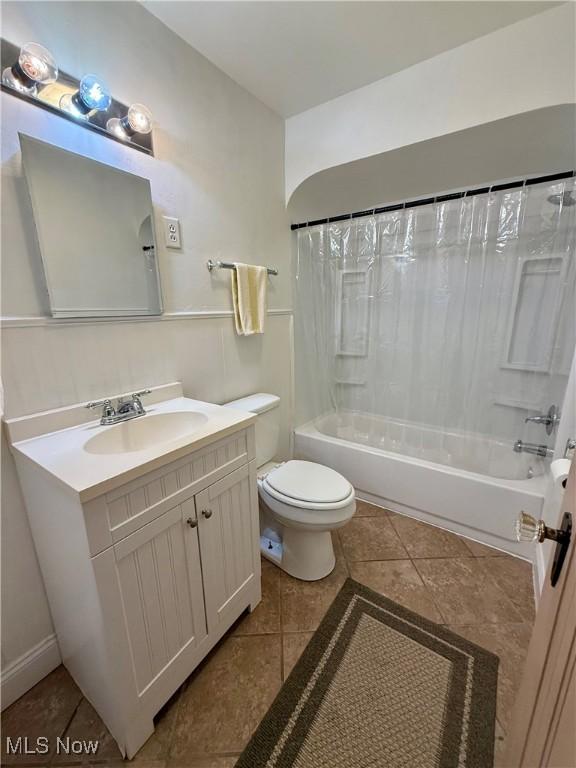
(565, 199)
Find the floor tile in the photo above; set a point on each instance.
(510, 643)
(479, 592)
(158, 745)
(482, 550)
(293, 644)
(371, 538)
(227, 697)
(365, 509)
(465, 593)
(514, 577)
(304, 603)
(265, 619)
(422, 540)
(86, 725)
(45, 710)
(124, 764)
(399, 580)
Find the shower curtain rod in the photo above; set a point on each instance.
(439, 198)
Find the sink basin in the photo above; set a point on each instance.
(145, 432)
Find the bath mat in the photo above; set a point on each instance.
(380, 687)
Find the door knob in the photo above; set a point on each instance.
(207, 513)
(191, 522)
(530, 529)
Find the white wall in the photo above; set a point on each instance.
(219, 169)
(532, 144)
(525, 66)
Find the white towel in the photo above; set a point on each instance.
(249, 298)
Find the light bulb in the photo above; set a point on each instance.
(92, 96)
(114, 125)
(138, 119)
(94, 93)
(35, 66)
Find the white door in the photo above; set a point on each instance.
(229, 543)
(160, 580)
(543, 733)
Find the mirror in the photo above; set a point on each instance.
(96, 234)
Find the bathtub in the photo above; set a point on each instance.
(466, 483)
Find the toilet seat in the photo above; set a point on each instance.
(297, 531)
(307, 485)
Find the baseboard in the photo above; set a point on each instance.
(523, 550)
(23, 673)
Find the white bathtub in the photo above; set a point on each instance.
(480, 506)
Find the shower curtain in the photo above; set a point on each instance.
(456, 315)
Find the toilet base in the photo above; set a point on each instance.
(306, 555)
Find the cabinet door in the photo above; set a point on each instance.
(160, 579)
(229, 543)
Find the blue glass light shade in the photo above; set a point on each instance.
(94, 93)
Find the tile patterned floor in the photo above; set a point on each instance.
(478, 592)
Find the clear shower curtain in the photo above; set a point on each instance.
(457, 316)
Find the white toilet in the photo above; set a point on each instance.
(301, 502)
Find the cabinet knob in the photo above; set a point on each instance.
(191, 522)
(207, 513)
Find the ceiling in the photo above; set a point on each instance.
(295, 55)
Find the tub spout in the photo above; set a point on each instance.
(533, 448)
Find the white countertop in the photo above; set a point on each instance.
(62, 453)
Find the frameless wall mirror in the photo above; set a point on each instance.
(96, 234)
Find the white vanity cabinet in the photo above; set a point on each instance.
(159, 574)
(146, 577)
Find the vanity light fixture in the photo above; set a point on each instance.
(35, 66)
(92, 96)
(29, 72)
(137, 120)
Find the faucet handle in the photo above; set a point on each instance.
(141, 393)
(97, 403)
(549, 419)
(105, 404)
(138, 407)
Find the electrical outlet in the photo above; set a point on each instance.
(171, 232)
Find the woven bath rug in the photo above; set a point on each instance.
(380, 686)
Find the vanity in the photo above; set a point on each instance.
(147, 537)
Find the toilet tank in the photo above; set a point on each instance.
(267, 423)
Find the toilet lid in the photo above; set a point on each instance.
(307, 481)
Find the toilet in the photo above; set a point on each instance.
(301, 501)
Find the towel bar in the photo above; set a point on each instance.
(228, 265)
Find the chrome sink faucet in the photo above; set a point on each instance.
(124, 410)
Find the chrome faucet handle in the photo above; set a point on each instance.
(549, 419)
(142, 393)
(138, 407)
(108, 408)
